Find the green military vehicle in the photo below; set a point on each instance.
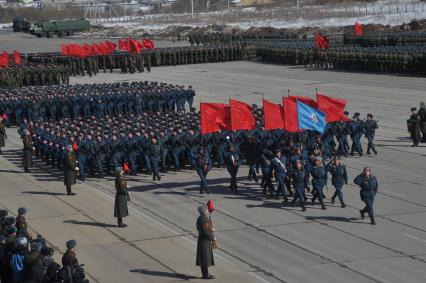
(59, 28)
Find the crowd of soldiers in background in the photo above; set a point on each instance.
(99, 100)
(33, 74)
(129, 62)
(28, 259)
(399, 53)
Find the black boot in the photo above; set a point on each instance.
(362, 211)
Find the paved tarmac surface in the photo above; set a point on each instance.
(259, 240)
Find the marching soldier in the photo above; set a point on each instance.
(339, 177)
(300, 179)
(278, 168)
(232, 165)
(204, 165)
(319, 180)
(3, 134)
(369, 187)
(369, 128)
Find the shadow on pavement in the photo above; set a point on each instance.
(335, 218)
(96, 224)
(44, 193)
(164, 274)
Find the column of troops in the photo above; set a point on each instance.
(99, 100)
(129, 62)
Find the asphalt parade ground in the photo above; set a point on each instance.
(259, 239)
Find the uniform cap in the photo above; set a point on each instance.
(21, 242)
(22, 210)
(71, 244)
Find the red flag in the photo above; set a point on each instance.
(307, 100)
(17, 57)
(321, 41)
(291, 123)
(74, 146)
(333, 108)
(273, 115)
(148, 44)
(214, 117)
(77, 50)
(64, 50)
(134, 45)
(4, 116)
(210, 205)
(88, 49)
(241, 116)
(111, 46)
(126, 167)
(358, 28)
(4, 59)
(124, 45)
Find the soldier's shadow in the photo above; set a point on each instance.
(164, 274)
(96, 224)
(334, 218)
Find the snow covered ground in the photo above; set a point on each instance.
(381, 12)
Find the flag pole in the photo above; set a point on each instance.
(316, 90)
(288, 92)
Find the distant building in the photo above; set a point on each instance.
(246, 3)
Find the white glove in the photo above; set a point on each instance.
(76, 168)
(128, 186)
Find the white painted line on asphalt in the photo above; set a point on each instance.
(375, 276)
(392, 193)
(258, 277)
(414, 237)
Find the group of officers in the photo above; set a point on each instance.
(99, 100)
(28, 259)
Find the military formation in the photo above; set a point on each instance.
(416, 124)
(33, 75)
(384, 52)
(27, 258)
(156, 142)
(132, 62)
(99, 100)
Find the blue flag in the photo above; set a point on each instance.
(310, 118)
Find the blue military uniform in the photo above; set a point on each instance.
(339, 177)
(278, 166)
(369, 187)
(319, 180)
(232, 161)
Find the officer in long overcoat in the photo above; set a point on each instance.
(204, 243)
(28, 151)
(70, 170)
(2, 133)
(121, 197)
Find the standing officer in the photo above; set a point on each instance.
(2, 133)
(278, 168)
(319, 180)
(300, 179)
(204, 243)
(369, 186)
(70, 170)
(232, 164)
(369, 128)
(413, 125)
(355, 131)
(121, 197)
(204, 165)
(422, 116)
(339, 176)
(28, 151)
(154, 157)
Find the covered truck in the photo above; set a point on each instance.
(59, 28)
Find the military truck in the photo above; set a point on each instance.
(20, 24)
(59, 28)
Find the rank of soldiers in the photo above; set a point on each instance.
(33, 74)
(99, 100)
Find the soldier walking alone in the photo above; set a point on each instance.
(28, 151)
(369, 186)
